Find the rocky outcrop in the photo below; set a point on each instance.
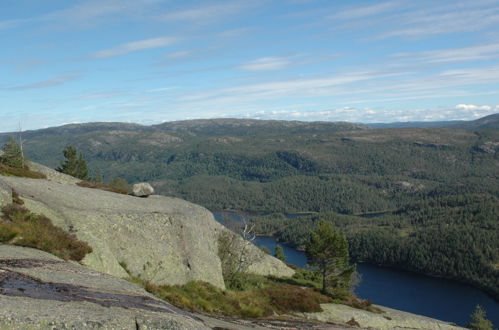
(142, 189)
(388, 319)
(162, 240)
(40, 291)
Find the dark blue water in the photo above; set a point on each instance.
(415, 293)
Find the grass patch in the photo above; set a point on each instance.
(22, 228)
(265, 298)
(21, 172)
(103, 186)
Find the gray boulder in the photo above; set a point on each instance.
(142, 189)
(40, 291)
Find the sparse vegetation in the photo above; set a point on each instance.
(264, 298)
(21, 227)
(21, 172)
(13, 163)
(103, 186)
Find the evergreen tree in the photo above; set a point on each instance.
(279, 253)
(12, 154)
(327, 252)
(74, 165)
(480, 321)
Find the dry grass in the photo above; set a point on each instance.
(23, 228)
(21, 172)
(102, 186)
(272, 298)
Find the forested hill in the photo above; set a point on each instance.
(283, 165)
(440, 184)
(247, 127)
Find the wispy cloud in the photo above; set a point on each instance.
(55, 81)
(161, 89)
(266, 64)
(311, 87)
(208, 13)
(134, 46)
(472, 53)
(460, 16)
(88, 13)
(421, 19)
(366, 11)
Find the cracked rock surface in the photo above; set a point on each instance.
(40, 291)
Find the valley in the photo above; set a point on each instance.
(437, 187)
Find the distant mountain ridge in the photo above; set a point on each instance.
(487, 122)
(245, 127)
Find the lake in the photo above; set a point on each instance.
(415, 293)
(439, 298)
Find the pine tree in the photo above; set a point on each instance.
(327, 252)
(279, 253)
(12, 154)
(480, 321)
(74, 165)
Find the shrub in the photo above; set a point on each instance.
(291, 298)
(23, 228)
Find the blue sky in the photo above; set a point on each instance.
(149, 61)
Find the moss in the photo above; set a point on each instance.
(23, 228)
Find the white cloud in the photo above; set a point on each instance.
(369, 115)
(266, 64)
(135, 46)
(475, 107)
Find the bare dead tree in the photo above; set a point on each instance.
(234, 249)
(21, 144)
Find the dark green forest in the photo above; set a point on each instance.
(438, 186)
(453, 236)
